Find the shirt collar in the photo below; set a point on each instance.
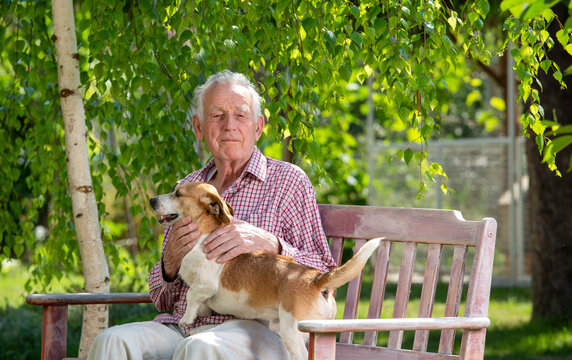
(256, 166)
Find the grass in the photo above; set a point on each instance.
(511, 336)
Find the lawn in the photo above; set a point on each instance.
(511, 336)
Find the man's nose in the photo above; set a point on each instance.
(230, 121)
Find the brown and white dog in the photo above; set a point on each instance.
(257, 285)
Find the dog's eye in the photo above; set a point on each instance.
(178, 194)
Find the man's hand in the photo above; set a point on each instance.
(182, 239)
(239, 237)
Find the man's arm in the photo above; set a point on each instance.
(239, 237)
(165, 286)
(303, 238)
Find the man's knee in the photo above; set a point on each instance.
(136, 341)
(113, 339)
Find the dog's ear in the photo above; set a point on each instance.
(230, 209)
(214, 205)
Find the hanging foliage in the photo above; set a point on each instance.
(141, 60)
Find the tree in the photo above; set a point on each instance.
(551, 196)
(85, 216)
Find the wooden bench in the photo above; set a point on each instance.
(448, 246)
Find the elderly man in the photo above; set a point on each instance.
(275, 211)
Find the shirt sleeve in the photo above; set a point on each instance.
(164, 294)
(303, 236)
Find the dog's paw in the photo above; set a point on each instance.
(186, 320)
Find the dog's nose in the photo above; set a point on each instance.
(153, 201)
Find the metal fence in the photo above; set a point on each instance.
(483, 173)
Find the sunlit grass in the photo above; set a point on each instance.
(512, 334)
(13, 277)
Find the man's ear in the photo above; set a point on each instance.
(214, 205)
(259, 126)
(198, 127)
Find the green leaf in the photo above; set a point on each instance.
(429, 27)
(545, 65)
(473, 16)
(526, 10)
(559, 130)
(452, 22)
(346, 71)
(426, 132)
(562, 37)
(408, 155)
(357, 39)
(309, 24)
(483, 7)
(556, 145)
(355, 11)
(330, 38)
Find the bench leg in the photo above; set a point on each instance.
(322, 346)
(54, 332)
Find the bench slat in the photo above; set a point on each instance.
(454, 296)
(398, 224)
(403, 290)
(352, 298)
(428, 294)
(378, 288)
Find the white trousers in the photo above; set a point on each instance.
(235, 339)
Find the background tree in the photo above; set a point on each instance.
(551, 196)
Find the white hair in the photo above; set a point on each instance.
(225, 77)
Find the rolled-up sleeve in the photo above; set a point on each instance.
(303, 238)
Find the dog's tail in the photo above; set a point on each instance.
(339, 276)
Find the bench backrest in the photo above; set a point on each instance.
(447, 245)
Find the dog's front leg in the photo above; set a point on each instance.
(196, 297)
(191, 312)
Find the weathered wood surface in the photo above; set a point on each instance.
(411, 227)
(54, 323)
(88, 298)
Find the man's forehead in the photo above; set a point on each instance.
(228, 95)
(237, 106)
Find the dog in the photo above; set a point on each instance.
(257, 285)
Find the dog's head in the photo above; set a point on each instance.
(194, 200)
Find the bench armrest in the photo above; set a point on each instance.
(55, 315)
(87, 298)
(329, 326)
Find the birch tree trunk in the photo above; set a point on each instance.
(86, 219)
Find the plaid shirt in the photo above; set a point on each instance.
(273, 195)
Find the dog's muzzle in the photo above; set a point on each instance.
(163, 219)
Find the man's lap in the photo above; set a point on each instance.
(244, 339)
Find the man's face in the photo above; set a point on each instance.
(228, 126)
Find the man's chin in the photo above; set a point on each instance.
(233, 153)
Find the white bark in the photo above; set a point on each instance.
(86, 219)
